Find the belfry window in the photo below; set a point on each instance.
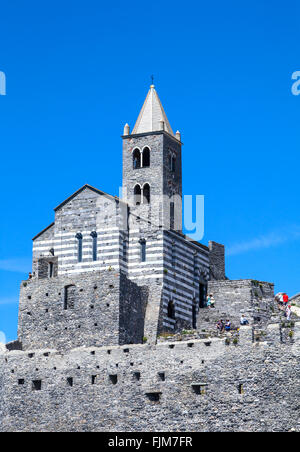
(136, 158)
(79, 247)
(146, 194)
(94, 238)
(137, 195)
(143, 250)
(146, 158)
(171, 310)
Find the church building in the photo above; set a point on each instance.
(120, 271)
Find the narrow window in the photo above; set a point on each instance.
(37, 385)
(79, 247)
(137, 195)
(241, 389)
(172, 215)
(69, 297)
(124, 250)
(173, 164)
(51, 251)
(136, 156)
(171, 310)
(146, 194)
(94, 238)
(143, 250)
(94, 378)
(137, 375)
(21, 381)
(146, 157)
(70, 381)
(51, 268)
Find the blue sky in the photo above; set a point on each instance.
(77, 71)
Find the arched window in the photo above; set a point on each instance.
(143, 250)
(146, 157)
(94, 237)
(171, 310)
(137, 195)
(172, 161)
(79, 247)
(136, 158)
(146, 194)
(69, 297)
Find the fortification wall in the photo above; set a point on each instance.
(91, 312)
(216, 261)
(204, 385)
(253, 298)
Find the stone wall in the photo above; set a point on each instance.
(295, 299)
(254, 299)
(216, 261)
(94, 316)
(204, 385)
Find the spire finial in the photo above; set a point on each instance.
(152, 81)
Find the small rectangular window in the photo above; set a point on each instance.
(21, 381)
(199, 389)
(70, 381)
(143, 250)
(113, 379)
(153, 396)
(162, 376)
(241, 389)
(94, 378)
(37, 385)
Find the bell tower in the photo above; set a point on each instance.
(152, 173)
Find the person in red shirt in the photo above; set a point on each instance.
(285, 299)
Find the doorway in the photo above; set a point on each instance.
(202, 295)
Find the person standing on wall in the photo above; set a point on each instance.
(288, 312)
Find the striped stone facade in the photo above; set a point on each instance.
(139, 237)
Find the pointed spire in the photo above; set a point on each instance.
(152, 117)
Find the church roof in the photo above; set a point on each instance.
(151, 114)
(89, 187)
